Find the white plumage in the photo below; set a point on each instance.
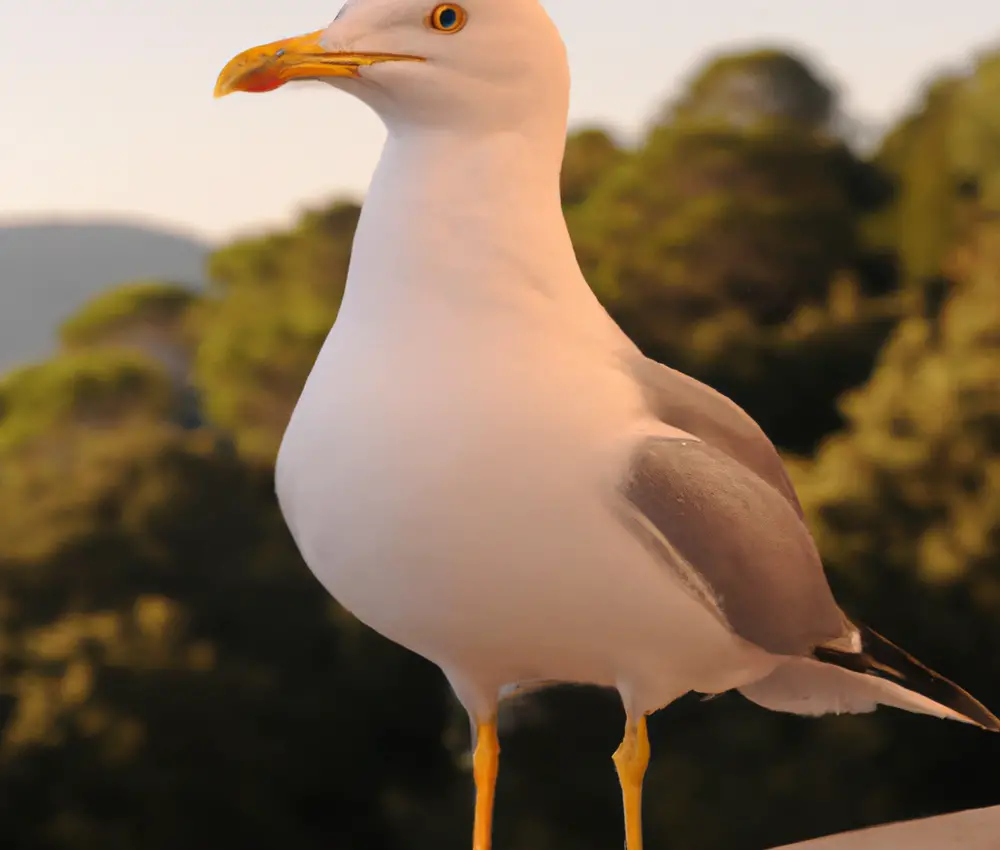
(485, 469)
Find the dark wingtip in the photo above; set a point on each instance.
(884, 660)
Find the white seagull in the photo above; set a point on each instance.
(485, 469)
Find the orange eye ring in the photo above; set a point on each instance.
(447, 18)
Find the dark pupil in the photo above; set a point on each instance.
(448, 18)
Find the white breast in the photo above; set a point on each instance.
(452, 494)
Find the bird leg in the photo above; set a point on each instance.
(630, 760)
(485, 762)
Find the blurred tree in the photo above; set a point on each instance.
(153, 318)
(120, 312)
(746, 89)
(272, 302)
(976, 134)
(176, 675)
(87, 389)
(920, 223)
(905, 505)
(590, 155)
(945, 160)
(913, 481)
(719, 244)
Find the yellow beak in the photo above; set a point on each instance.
(270, 66)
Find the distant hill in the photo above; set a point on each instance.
(49, 269)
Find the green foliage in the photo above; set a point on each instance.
(141, 303)
(718, 243)
(275, 300)
(723, 205)
(93, 388)
(745, 90)
(920, 223)
(179, 677)
(590, 156)
(915, 480)
(904, 505)
(945, 158)
(975, 135)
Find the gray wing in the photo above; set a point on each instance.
(679, 400)
(723, 515)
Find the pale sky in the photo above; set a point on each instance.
(106, 106)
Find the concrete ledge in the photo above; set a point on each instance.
(975, 829)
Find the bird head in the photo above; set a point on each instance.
(475, 65)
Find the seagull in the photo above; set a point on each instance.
(485, 469)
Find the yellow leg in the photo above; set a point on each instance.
(631, 759)
(485, 762)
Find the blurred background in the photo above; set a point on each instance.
(798, 203)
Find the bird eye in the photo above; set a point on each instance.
(448, 17)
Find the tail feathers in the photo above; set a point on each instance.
(882, 660)
(842, 681)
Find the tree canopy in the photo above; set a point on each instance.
(273, 299)
(721, 243)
